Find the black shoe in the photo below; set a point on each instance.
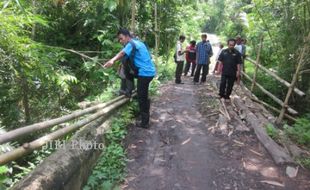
(145, 118)
(141, 125)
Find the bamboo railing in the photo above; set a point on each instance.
(102, 110)
(291, 85)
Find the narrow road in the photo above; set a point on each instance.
(178, 151)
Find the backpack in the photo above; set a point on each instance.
(175, 57)
(130, 68)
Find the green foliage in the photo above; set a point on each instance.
(305, 162)
(300, 132)
(3, 177)
(272, 131)
(110, 167)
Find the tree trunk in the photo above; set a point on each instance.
(156, 34)
(25, 91)
(257, 61)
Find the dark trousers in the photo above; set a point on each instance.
(188, 65)
(143, 97)
(226, 86)
(205, 70)
(178, 71)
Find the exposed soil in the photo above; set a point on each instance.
(179, 152)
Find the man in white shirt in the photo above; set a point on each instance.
(241, 48)
(180, 58)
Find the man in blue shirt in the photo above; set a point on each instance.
(146, 70)
(203, 54)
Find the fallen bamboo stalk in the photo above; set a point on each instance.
(280, 102)
(275, 76)
(14, 134)
(29, 147)
(225, 110)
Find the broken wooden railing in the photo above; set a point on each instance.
(101, 110)
(291, 86)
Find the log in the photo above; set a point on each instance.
(280, 102)
(29, 147)
(68, 167)
(14, 134)
(241, 126)
(222, 124)
(278, 153)
(275, 76)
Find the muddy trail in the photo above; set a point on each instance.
(182, 149)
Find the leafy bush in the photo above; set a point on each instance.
(111, 164)
(272, 131)
(304, 162)
(300, 132)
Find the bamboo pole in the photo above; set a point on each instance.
(294, 81)
(275, 76)
(273, 108)
(14, 134)
(133, 15)
(280, 102)
(36, 144)
(257, 61)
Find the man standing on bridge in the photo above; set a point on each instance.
(230, 60)
(143, 65)
(203, 54)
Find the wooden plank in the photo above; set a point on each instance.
(275, 76)
(280, 102)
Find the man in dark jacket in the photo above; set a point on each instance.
(230, 60)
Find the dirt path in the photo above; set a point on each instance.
(178, 152)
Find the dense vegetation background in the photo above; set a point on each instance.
(51, 51)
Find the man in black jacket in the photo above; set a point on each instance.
(230, 60)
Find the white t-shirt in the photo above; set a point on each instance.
(239, 48)
(180, 48)
(218, 54)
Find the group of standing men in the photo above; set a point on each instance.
(197, 56)
(139, 63)
(229, 62)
